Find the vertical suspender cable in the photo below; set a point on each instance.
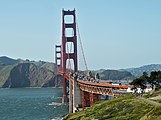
(82, 48)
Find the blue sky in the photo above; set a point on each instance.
(115, 33)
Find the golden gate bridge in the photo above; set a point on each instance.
(79, 89)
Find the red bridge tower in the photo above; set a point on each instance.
(63, 55)
(65, 40)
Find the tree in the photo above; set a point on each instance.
(97, 76)
(140, 82)
(155, 78)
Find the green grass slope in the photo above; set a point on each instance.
(123, 108)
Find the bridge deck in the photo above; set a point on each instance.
(107, 85)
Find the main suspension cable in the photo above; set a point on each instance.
(82, 47)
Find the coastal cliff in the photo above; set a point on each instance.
(29, 75)
(26, 73)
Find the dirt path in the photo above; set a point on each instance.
(155, 98)
(149, 101)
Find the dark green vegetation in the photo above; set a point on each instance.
(25, 73)
(154, 79)
(126, 107)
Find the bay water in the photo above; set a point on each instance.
(31, 104)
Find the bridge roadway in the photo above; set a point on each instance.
(97, 88)
(101, 88)
(85, 93)
(107, 85)
(91, 86)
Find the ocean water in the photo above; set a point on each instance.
(31, 104)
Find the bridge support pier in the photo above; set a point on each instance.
(64, 98)
(70, 97)
(91, 98)
(77, 101)
(83, 100)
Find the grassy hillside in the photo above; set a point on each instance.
(127, 107)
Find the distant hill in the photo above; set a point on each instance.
(127, 74)
(146, 68)
(26, 73)
(7, 61)
(115, 75)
